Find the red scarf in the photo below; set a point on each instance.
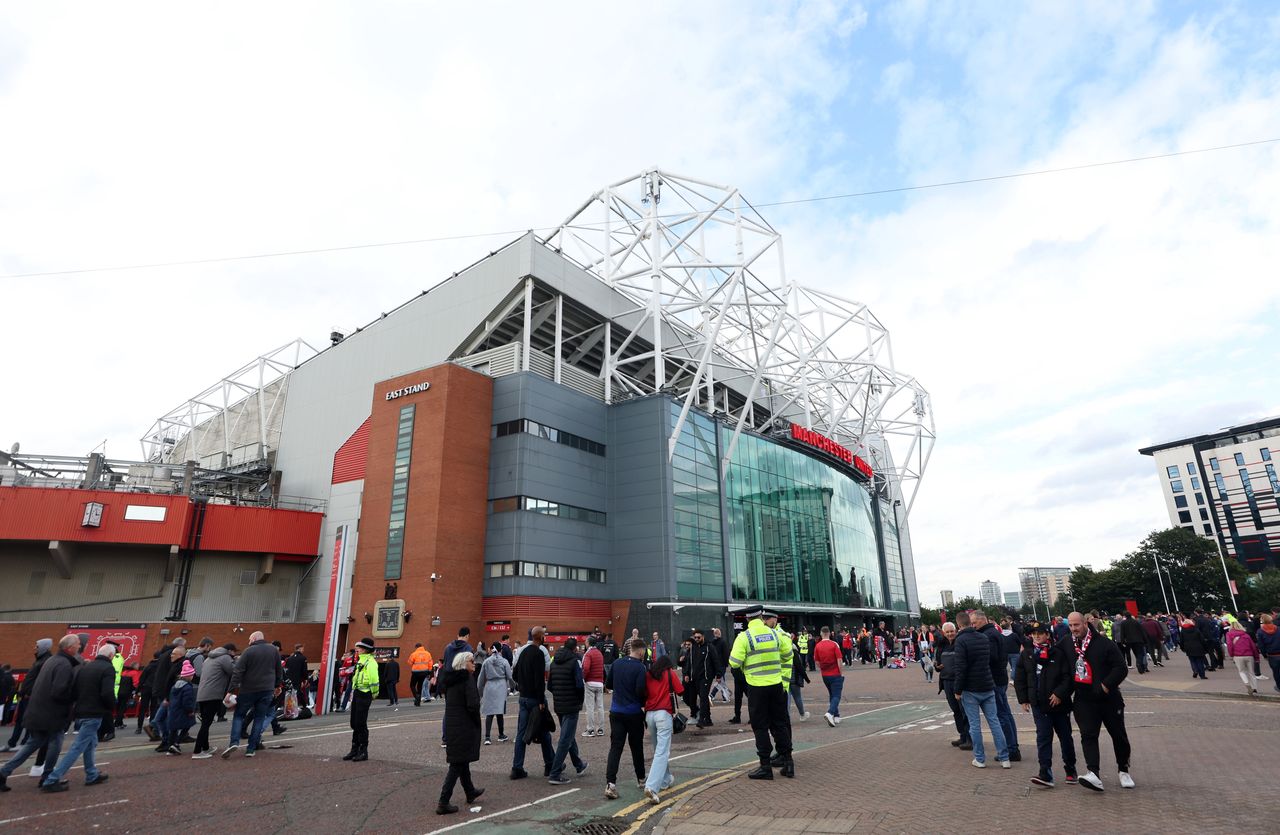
(1084, 672)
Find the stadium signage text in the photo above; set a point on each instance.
(407, 390)
(810, 438)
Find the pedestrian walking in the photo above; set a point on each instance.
(973, 664)
(495, 684)
(661, 686)
(391, 669)
(593, 678)
(1243, 652)
(530, 674)
(462, 729)
(799, 678)
(568, 691)
(256, 679)
(214, 685)
(765, 657)
(42, 653)
(1191, 640)
(1043, 686)
(48, 707)
(1098, 670)
(420, 664)
(95, 703)
(1268, 641)
(626, 715)
(828, 655)
(704, 665)
(178, 713)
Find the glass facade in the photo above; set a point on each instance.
(893, 556)
(399, 494)
(699, 548)
(800, 531)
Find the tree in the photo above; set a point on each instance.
(930, 617)
(1261, 592)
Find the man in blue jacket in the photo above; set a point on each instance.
(976, 688)
(626, 714)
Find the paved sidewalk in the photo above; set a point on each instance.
(1175, 676)
(1195, 759)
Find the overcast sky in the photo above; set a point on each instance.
(1059, 321)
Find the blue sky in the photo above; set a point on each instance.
(1060, 322)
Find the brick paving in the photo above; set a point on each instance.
(1195, 759)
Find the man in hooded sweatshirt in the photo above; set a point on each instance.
(43, 651)
(49, 706)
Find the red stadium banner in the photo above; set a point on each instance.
(1132, 607)
(130, 636)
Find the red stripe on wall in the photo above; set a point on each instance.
(261, 530)
(44, 513)
(349, 460)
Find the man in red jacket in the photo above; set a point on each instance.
(593, 678)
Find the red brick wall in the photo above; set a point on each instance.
(447, 507)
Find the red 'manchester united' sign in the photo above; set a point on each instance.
(822, 442)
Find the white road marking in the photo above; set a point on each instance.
(62, 811)
(504, 811)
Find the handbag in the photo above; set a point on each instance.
(678, 719)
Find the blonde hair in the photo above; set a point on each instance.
(460, 660)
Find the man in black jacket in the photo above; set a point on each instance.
(1098, 669)
(43, 652)
(295, 669)
(976, 689)
(95, 700)
(1000, 678)
(49, 706)
(568, 691)
(530, 674)
(1133, 641)
(1043, 685)
(704, 666)
(944, 660)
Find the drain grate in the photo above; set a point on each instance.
(601, 826)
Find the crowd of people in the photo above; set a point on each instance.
(1069, 668)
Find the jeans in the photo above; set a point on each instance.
(17, 723)
(527, 706)
(1005, 715)
(1140, 657)
(659, 722)
(1274, 661)
(1013, 663)
(567, 746)
(594, 704)
(257, 705)
(1047, 725)
(798, 698)
(1197, 666)
(835, 688)
(86, 742)
(977, 705)
(35, 741)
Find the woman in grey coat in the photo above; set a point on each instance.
(495, 683)
(214, 681)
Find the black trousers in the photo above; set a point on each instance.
(457, 772)
(626, 729)
(416, 680)
(144, 706)
(739, 692)
(703, 686)
(768, 708)
(208, 710)
(360, 702)
(1094, 714)
(957, 710)
(488, 725)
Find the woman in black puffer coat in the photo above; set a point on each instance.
(461, 729)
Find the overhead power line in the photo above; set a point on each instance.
(818, 199)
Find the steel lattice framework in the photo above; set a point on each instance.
(712, 296)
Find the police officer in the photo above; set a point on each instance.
(364, 687)
(764, 655)
(802, 646)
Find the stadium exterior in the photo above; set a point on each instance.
(639, 422)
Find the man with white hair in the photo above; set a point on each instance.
(256, 681)
(95, 695)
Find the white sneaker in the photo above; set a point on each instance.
(652, 795)
(589, 732)
(831, 720)
(1006, 764)
(36, 771)
(1262, 678)
(838, 720)
(205, 756)
(1126, 782)
(804, 716)
(978, 764)
(1091, 781)
(611, 791)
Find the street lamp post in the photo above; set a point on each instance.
(1160, 580)
(1172, 590)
